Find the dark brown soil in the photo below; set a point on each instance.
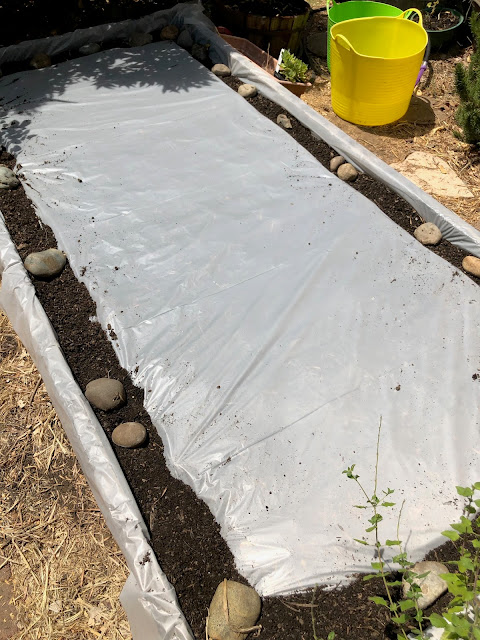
(185, 536)
(268, 7)
(439, 20)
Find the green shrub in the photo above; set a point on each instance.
(467, 84)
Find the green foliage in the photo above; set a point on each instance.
(406, 613)
(331, 635)
(294, 69)
(467, 85)
(462, 619)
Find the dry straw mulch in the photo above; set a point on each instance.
(67, 571)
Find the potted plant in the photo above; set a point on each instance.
(293, 72)
(271, 25)
(441, 23)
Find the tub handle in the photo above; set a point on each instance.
(342, 41)
(408, 13)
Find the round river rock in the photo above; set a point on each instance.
(106, 393)
(347, 172)
(428, 233)
(140, 39)
(45, 264)
(336, 162)
(243, 608)
(40, 61)
(221, 70)
(170, 32)
(431, 586)
(185, 39)
(471, 264)
(247, 90)
(129, 435)
(8, 180)
(89, 49)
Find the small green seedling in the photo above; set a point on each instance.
(406, 614)
(292, 68)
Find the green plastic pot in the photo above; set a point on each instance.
(339, 12)
(440, 38)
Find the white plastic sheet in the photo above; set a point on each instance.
(273, 312)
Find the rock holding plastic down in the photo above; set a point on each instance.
(247, 90)
(40, 61)
(45, 264)
(431, 585)
(140, 39)
(347, 172)
(221, 70)
(471, 264)
(233, 612)
(170, 32)
(284, 121)
(129, 435)
(89, 49)
(106, 393)
(336, 162)
(428, 233)
(184, 39)
(8, 180)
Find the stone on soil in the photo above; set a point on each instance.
(185, 39)
(284, 121)
(428, 233)
(170, 32)
(247, 90)
(431, 586)
(89, 49)
(129, 435)
(8, 180)
(221, 70)
(471, 264)
(200, 52)
(244, 606)
(40, 61)
(347, 172)
(45, 264)
(433, 175)
(336, 162)
(140, 39)
(106, 393)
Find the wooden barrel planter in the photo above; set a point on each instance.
(270, 33)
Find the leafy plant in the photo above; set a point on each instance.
(462, 619)
(406, 614)
(467, 85)
(292, 68)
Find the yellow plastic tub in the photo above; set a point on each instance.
(375, 62)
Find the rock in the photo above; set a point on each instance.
(221, 70)
(45, 264)
(284, 121)
(170, 32)
(347, 172)
(432, 586)
(428, 233)
(433, 175)
(336, 162)
(140, 39)
(185, 39)
(129, 435)
(240, 614)
(471, 264)
(247, 90)
(317, 43)
(40, 61)
(106, 393)
(8, 180)
(89, 49)
(200, 53)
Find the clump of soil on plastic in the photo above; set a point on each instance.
(185, 536)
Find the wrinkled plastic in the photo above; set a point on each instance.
(270, 312)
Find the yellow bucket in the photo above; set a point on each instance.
(374, 64)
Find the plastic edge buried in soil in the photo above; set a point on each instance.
(148, 598)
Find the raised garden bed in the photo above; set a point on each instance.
(184, 535)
